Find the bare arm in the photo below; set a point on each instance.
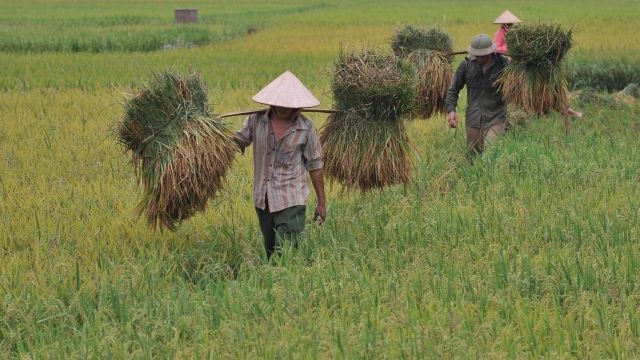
(317, 179)
(452, 94)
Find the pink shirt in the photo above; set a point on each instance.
(500, 38)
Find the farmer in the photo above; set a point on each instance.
(506, 20)
(285, 148)
(486, 114)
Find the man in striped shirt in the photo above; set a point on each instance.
(285, 148)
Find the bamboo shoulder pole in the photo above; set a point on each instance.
(465, 53)
(324, 111)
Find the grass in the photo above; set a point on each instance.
(142, 27)
(531, 251)
(605, 74)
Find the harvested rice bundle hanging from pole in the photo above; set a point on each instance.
(535, 80)
(365, 144)
(181, 153)
(429, 50)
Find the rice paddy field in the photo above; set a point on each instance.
(530, 251)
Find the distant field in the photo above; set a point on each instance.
(531, 251)
(123, 26)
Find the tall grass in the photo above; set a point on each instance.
(530, 252)
(607, 74)
(138, 38)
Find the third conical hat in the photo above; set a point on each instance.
(506, 18)
(286, 91)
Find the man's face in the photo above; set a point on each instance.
(283, 112)
(482, 60)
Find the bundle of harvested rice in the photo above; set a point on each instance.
(365, 144)
(411, 38)
(181, 153)
(536, 80)
(429, 50)
(434, 74)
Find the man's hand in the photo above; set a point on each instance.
(452, 117)
(320, 214)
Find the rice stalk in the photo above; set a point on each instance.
(535, 92)
(366, 156)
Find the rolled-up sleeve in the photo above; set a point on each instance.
(454, 90)
(312, 151)
(244, 136)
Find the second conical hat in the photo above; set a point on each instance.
(286, 91)
(506, 18)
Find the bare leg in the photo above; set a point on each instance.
(475, 142)
(575, 113)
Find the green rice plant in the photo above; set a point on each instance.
(365, 143)
(429, 50)
(606, 74)
(180, 153)
(409, 272)
(127, 39)
(535, 79)
(517, 118)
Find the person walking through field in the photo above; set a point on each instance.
(486, 114)
(506, 20)
(285, 148)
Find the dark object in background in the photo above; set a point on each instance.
(186, 15)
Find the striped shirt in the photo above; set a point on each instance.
(279, 168)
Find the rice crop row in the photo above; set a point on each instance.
(606, 74)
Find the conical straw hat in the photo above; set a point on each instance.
(286, 91)
(506, 18)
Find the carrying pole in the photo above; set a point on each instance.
(324, 111)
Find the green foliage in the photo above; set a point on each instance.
(529, 252)
(607, 74)
(118, 40)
